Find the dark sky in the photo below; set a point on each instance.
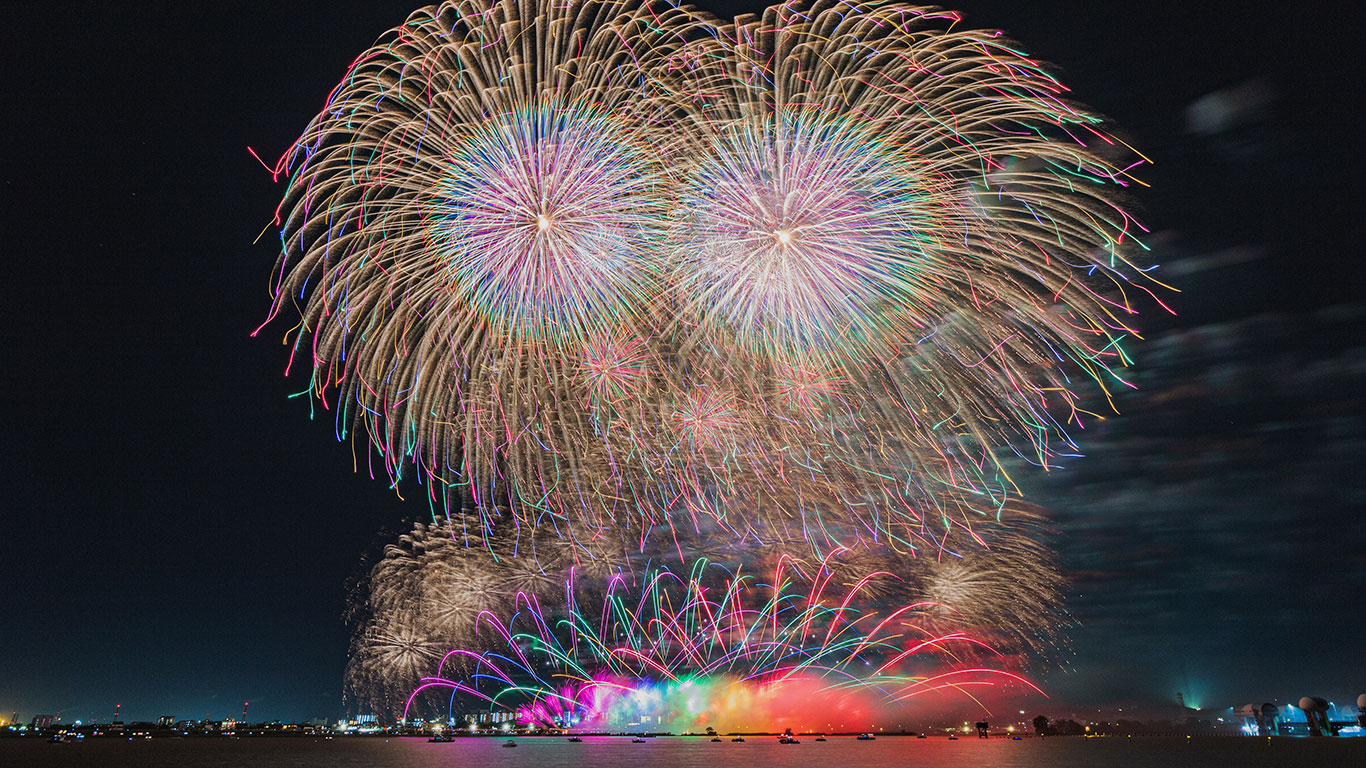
(177, 534)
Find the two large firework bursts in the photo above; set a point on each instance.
(623, 272)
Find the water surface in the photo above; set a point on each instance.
(685, 752)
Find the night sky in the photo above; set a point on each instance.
(177, 534)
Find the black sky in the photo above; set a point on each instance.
(177, 533)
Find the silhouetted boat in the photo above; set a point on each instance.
(738, 738)
(866, 737)
(921, 736)
(820, 738)
(953, 737)
(638, 740)
(509, 743)
(575, 739)
(716, 739)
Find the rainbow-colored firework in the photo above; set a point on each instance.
(430, 591)
(717, 648)
(616, 266)
(473, 232)
(544, 223)
(899, 248)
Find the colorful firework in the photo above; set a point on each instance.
(472, 232)
(543, 223)
(803, 233)
(911, 216)
(620, 270)
(998, 581)
(427, 592)
(427, 588)
(735, 655)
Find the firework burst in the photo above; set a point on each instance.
(429, 589)
(691, 654)
(803, 233)
(544, 224)
(472, 233)
(605, 272)
(898, 249)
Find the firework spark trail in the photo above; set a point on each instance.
(470, 233)
(694, 655)
(908, 216)
(619, 271)
(427, 592)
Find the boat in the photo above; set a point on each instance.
(785, 739)
(921, 736)
(820, 738)
(575, 739)
(953, 737)
(509, 743)
(716, 739)
(866, 737)
(638, 740)
(740, 739)
(441, 739)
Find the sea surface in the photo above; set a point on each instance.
(687, 752)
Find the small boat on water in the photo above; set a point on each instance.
(866, 737)
(575, 739)
(717, 739)
(509, 743)
(638, 740)
(739, 739)
(67, 738)
(785, 739)
(820, 738)
(953, 737)
(441, 738)
(921, 736)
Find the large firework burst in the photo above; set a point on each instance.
(472, 227)
(898, 245)
(621, 270)
(803, 232)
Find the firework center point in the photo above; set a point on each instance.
(542, 222)
(783, 236)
